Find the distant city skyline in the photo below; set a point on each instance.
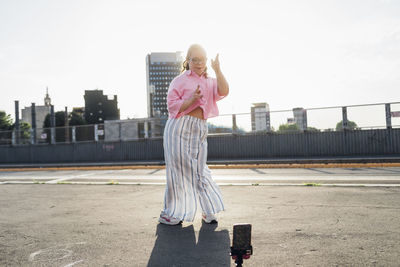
(288, 54)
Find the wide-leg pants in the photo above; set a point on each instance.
(189, 179)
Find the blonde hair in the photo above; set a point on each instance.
(185, 64)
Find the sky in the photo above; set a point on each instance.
(286, 53)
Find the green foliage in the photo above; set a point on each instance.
(60, 119)
(351, 125)
(5, 121)
(24, 129)
(218, 129)
(313, 129)
(76, 119)
(288, 128)
(212, 128)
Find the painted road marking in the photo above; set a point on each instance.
(71, 264)
(54, 253)
(57, 180)
(229, 184)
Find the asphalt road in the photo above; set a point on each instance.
(373, 176)
(68, 225)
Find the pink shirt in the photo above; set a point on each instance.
(183, 87)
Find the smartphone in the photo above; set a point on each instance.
(242, 237)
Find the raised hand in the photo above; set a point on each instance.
(197, 94)
(215, 64)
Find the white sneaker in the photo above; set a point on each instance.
(165, 219)
(210, 218)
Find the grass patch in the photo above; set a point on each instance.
(112, 182)
(255, 184)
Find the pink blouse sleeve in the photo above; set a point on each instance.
(174, 100)
(217, 97)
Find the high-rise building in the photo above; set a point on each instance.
(260, 117)
(99, 107)
(300, 118)
(161, 69)
(41, 112)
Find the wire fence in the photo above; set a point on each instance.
(299, 120)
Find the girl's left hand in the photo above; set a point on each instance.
(215, 64)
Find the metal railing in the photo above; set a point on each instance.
(322, 119)
(365, 116)
(228, 148)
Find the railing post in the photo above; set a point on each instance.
(96, 132)
(344, 120)
(234, 126)
(66, 125)
(52, 125)
(152, 128)
(146, 129)
(73, 134)
(32, 135)
(17, 128)
(13, 137)
(119, 131)
(52, 135)
(33, 132)
(304, 120)
(388, 117)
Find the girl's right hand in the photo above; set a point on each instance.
(197, 94)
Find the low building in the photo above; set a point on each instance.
(41, 112)
(260, 117)
(99, 107)
(300, 118)
(131, 129)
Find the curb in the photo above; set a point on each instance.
(214, 166)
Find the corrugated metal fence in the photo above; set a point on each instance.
(226, 147)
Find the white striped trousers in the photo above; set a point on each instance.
(188, 176)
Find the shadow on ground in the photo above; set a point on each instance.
(176, 246)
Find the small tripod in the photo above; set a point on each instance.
(239, 254)
(241, 245)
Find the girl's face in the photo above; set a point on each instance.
(197, 61)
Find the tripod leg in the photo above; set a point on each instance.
(239, 261)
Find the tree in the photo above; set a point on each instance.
(76, 119)
(60, 119)
(24, 130)
(5, 121)
(212, 128)
(351, 125)
(218, 129)
(312, 129)
(288, 128)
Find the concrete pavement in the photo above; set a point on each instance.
(116, 225)
(246, 175)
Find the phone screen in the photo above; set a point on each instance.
(242, 236)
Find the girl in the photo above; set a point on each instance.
(191, 100)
